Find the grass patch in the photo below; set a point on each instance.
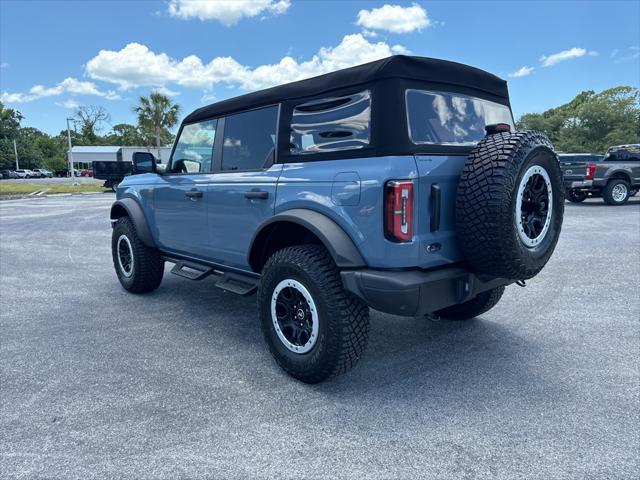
(27, 188)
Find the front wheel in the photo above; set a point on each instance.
(576, 196)
(616, 192)
(139, 268)
(313, 327)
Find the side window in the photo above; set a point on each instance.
(249, 139)
(194, 148)
(331, 124)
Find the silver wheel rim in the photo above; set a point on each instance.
(125, 255)
(293, 309)
(526, 206)
(619, 192)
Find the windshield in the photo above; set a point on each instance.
(451, 118)
(623, 153)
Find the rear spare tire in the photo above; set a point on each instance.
(510, 205)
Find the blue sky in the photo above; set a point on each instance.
(55, 55)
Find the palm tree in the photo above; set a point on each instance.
(156, 115)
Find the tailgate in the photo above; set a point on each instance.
(438, 177)
(573, 171)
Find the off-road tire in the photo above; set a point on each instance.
(487, 227)
(343, 327)
(607, 192)
(148, 266)
(483, 302)
(576, 196)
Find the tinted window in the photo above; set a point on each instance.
(249, 139)
(331, 124)
(623, 154)
(194, 148)
(451, 119)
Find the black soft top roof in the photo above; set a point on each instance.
(398, 66)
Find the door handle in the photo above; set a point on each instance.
(193, 194)
(256, 194)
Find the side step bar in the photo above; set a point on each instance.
(230, 281)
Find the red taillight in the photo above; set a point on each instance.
(399, 210)
(591, 170)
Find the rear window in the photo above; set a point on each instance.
(623, 154)
(331, 124)
(450, 118)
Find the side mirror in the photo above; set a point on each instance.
(144, 162)
(161, 168)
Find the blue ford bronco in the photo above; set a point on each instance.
(398, 185)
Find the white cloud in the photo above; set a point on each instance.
(548, 61)
(628, 54)
(70, 104)
(167, 92)
(4, 65)
(227, 12)
(207, 98)
(68, 85)
(394, 18)
(522, 72)
(136, 65)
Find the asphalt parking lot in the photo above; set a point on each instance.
(99, 383)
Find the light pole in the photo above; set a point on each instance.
(15, 150)
(71, 170)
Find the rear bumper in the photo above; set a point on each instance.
(580, 184)
(416, 292)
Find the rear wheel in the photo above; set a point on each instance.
(576, 196)
(313, 327)
(484, 302)
(139, 267)
(616, 192)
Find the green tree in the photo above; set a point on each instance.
(9, 130)
(591, 122)
(124, 134)
(156, 115)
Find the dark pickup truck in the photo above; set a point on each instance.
(615, 178)
(111, 172)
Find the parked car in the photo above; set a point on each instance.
(8, 174)
(64, 172)
(86, 173)
(616, 178)
(43, 172)
(25, 173)
(382, 186)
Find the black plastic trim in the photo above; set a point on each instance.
(416, 292)
(135, 213)
(342, 249)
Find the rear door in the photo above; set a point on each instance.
(180, 203)
(242, 192)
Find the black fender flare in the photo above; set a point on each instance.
(136, 214)
(342, 249)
